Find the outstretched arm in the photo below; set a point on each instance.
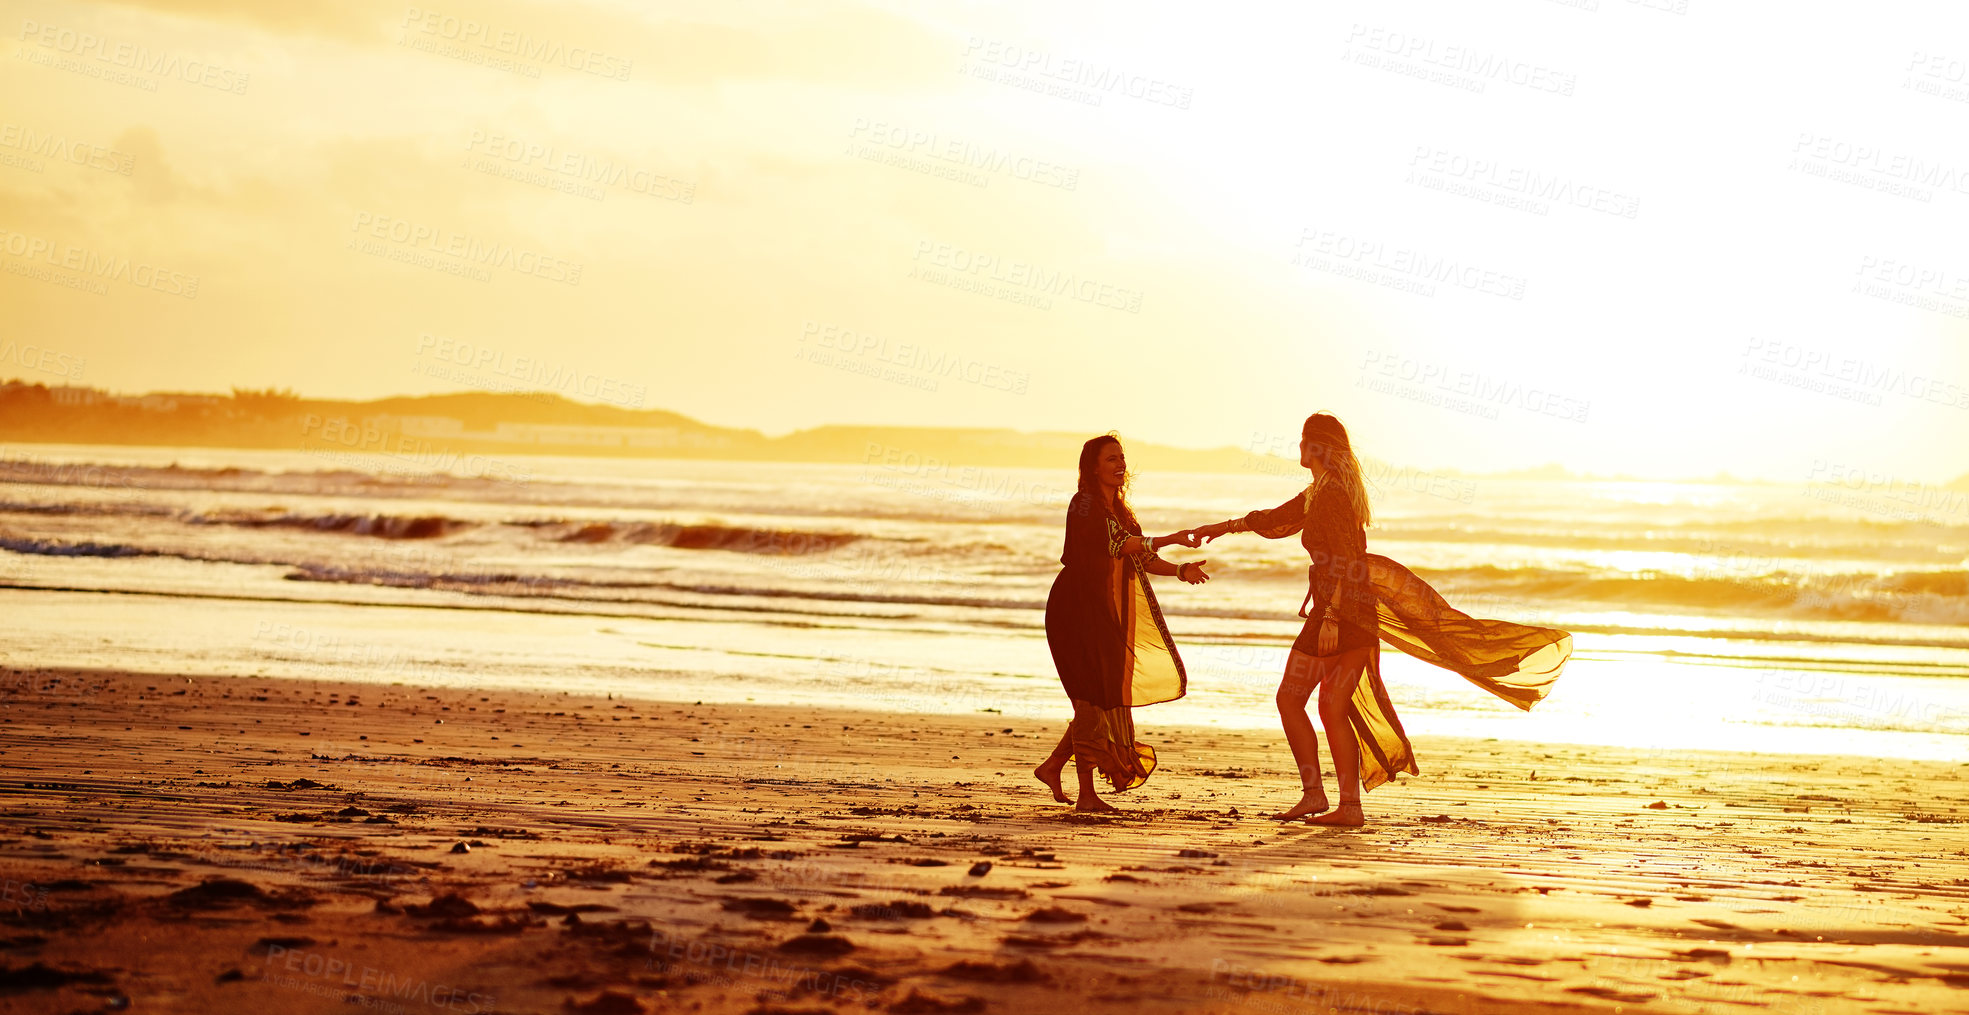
(1150, 544)
(1274, 523)
(1142, 548)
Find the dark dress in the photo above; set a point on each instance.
(1375, 599)
(1337, 576)
(1109, 642)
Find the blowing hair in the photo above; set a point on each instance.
(1090, 487)
(1343, 468)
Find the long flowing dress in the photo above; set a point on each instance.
(1109, 642)
(1375, 597)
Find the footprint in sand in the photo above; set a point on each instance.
(1611, 994)
(1022, 971)
(901, 909)
(761, 909)
(817, 944)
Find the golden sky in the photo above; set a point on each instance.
(1664, 237)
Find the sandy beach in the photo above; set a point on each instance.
(202, 844)
(601, 508)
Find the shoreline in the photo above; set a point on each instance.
(713, 837)
(1613, 697)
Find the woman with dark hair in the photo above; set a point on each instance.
(1109, 643)
(1356, 597)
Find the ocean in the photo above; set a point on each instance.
(1827, 617)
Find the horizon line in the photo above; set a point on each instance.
(1724, 477)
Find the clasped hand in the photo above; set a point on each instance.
(1200, 535)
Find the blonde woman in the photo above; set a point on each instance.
(1355, 600)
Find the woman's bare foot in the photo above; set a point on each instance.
(1347, 815)
(1091, 804)
(1312, 803)
(1051, 777)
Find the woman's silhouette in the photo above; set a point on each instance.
(1356, 598)
(1109, 643)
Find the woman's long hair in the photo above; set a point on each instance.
(1330, 444)
(1090, 487)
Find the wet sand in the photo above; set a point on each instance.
(199, 844)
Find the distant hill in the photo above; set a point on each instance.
(480, 410)
(426, 427)
(481, 423)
